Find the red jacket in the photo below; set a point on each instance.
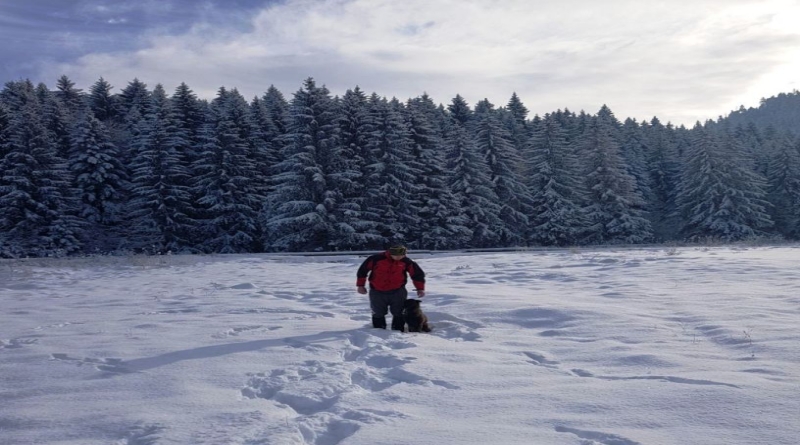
(386, 274)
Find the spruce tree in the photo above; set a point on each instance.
(441, 224)
(99, 177)
(634, 149)
(494, 144)
(719, 197)
(663, 166)
(783, 176)
(70, 97)
(159, 213)
(134, 104)
(226, 184)
(277, 108)
(459, 110)
(302, 211)
(360, 224)
(470, 183)
(615, 205)
(515, 118)
(189, 114)
(556, 185)
(35, 194)
(57, 119)
(4, 129)
(267, 135)
(390, 178)
(102, 102)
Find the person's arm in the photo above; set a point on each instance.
(417, 277)
(361, 275)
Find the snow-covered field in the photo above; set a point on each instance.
(602, 347)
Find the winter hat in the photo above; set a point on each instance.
(397, 250)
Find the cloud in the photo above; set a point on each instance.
(681, 61)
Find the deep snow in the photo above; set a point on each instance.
(653, 346)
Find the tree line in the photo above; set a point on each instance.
(145, 171)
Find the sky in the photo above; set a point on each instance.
(681, 61)
(669, 346)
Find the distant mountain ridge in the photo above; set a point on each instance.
(782, 112)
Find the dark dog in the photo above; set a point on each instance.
(417, 321)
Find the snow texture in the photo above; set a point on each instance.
(566, 347)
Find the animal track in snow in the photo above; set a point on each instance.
(540, 359)
(300, 387)
(596, 437)
(115, 365)
(234, 332)
(453, 328)
(312, 391)
(291, 314)
(142, 435)
(16, 343)
(663, 378)
(56, 325)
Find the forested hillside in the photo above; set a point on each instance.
(780, 113)
(142, 170)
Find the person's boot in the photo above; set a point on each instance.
(378, 322)
(398, 324)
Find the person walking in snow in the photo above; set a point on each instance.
(388, 274)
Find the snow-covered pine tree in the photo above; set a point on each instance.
(189, 114)
(4, 128)
(441, 224)
(783, 176)
(135, 95)
(359, 224)
(277, 108)
(265, 141)
(390, 178)
(56, 118)
(555, 182)
(459, 110)
(633, 148)
(134, 104)
(753, 142)
(267, 136)
(615, 205)
(663, 167)
(70, 97)
(719, 197)
(102, 103)
(470, 182)
(505, 168)
(565, 118)
(259, 152)
(99, 179)
(35, 194)
(515, 118)
(302, 210)
(436, 115)
(227, 185)
(159, 210)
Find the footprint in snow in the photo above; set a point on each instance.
(311, 392)
(663, 378)
(142, 435)
(596, 437)
(114, 365)
(16, 343)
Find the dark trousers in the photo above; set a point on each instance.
(382, 302)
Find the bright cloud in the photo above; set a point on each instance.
(680, 61)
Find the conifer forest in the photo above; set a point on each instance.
(145, 171)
